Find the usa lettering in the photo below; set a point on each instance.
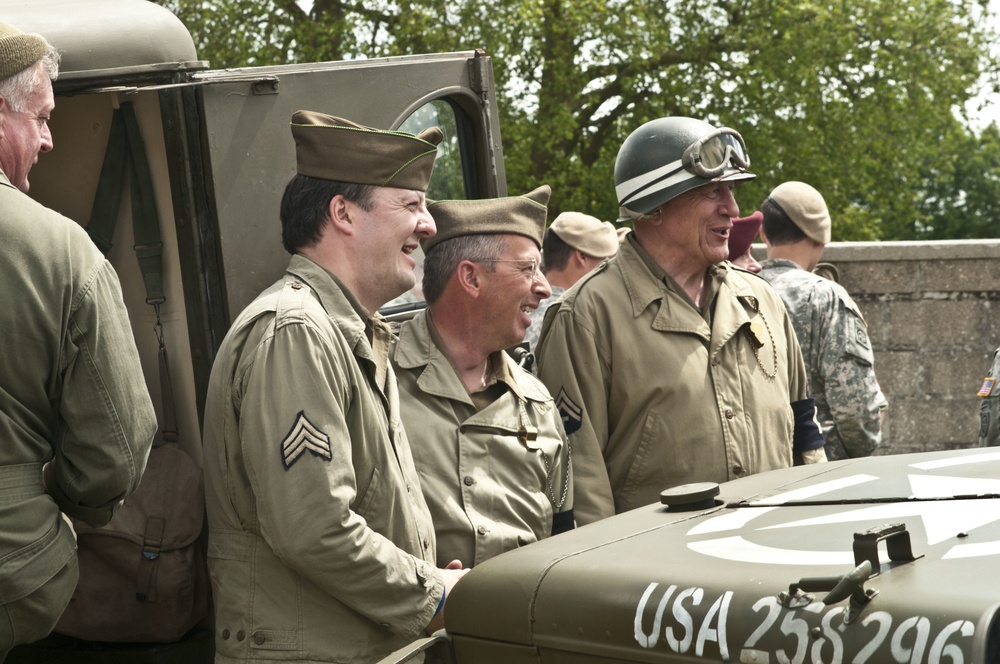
(668, 616)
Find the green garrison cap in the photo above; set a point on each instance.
(514, 215)
(333, 148)
(19, 50)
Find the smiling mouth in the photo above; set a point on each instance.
(409, 248)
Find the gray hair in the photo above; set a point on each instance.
(444, 258)
(16, 89)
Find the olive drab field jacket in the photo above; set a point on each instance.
(654, 396)
(321, 547)
(72, 393)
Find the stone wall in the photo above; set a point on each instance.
(933, 312)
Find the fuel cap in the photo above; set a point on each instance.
(689, 497)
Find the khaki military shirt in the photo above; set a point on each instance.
(490, 488)
(838, 355)
(989, 407)
(655, 393)
(71, 393)
(321, 547)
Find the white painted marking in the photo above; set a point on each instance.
(740, 550)
(957, 461)
(942, 520)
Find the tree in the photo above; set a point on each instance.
(857, 97)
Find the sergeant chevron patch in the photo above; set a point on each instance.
(304, 436)
(572, 414)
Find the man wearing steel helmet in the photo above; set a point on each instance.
(72, 394)
(668, 364)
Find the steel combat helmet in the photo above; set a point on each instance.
(666, 157)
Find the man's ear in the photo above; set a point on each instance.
(469, 278)
(341, 213)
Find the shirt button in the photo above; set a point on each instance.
(225, 634)
(461, 429)
(469, 481)
(737, 469)
(729, 414)
(427, 544)
(259, 638)
(296, 285)
(240, 635)
(481, 530)
(715, 361)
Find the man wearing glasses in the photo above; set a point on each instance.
(493, 460)
(669, 365)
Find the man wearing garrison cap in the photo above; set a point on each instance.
(72, 394)
(829, 326)
(573, 245)
(487, 440)
(323, 545)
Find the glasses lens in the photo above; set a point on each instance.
(714, 153)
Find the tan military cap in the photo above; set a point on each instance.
(516, 215)
(19, 50)
(333, 148)
(587, 234)
(806, 209)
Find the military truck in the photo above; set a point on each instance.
(886, 559)
(218, 153)
(880, 560)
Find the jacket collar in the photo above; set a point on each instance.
(416, 348)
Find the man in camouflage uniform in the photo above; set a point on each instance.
(828, 324)
(989, 409)
(487, 440)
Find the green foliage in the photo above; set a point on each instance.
(857, 97)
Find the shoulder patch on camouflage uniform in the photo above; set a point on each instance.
(571, 413)
(304, 436)
(987, 388)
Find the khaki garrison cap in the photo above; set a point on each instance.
(333, 148)
(18, 50)
(805, 207)
(515, 215)
(590, 235)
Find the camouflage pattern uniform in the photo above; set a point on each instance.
(838, 355)
(538, 315)
(989, 409)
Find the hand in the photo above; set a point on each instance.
(451, 574)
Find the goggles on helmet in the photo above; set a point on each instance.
(708, 157)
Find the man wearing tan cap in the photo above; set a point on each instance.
(828, 324)
(487, 441)
(321, 546)
(72, 394)
(573, 245)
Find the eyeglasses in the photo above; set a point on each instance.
(530, 265)
(709, 156)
